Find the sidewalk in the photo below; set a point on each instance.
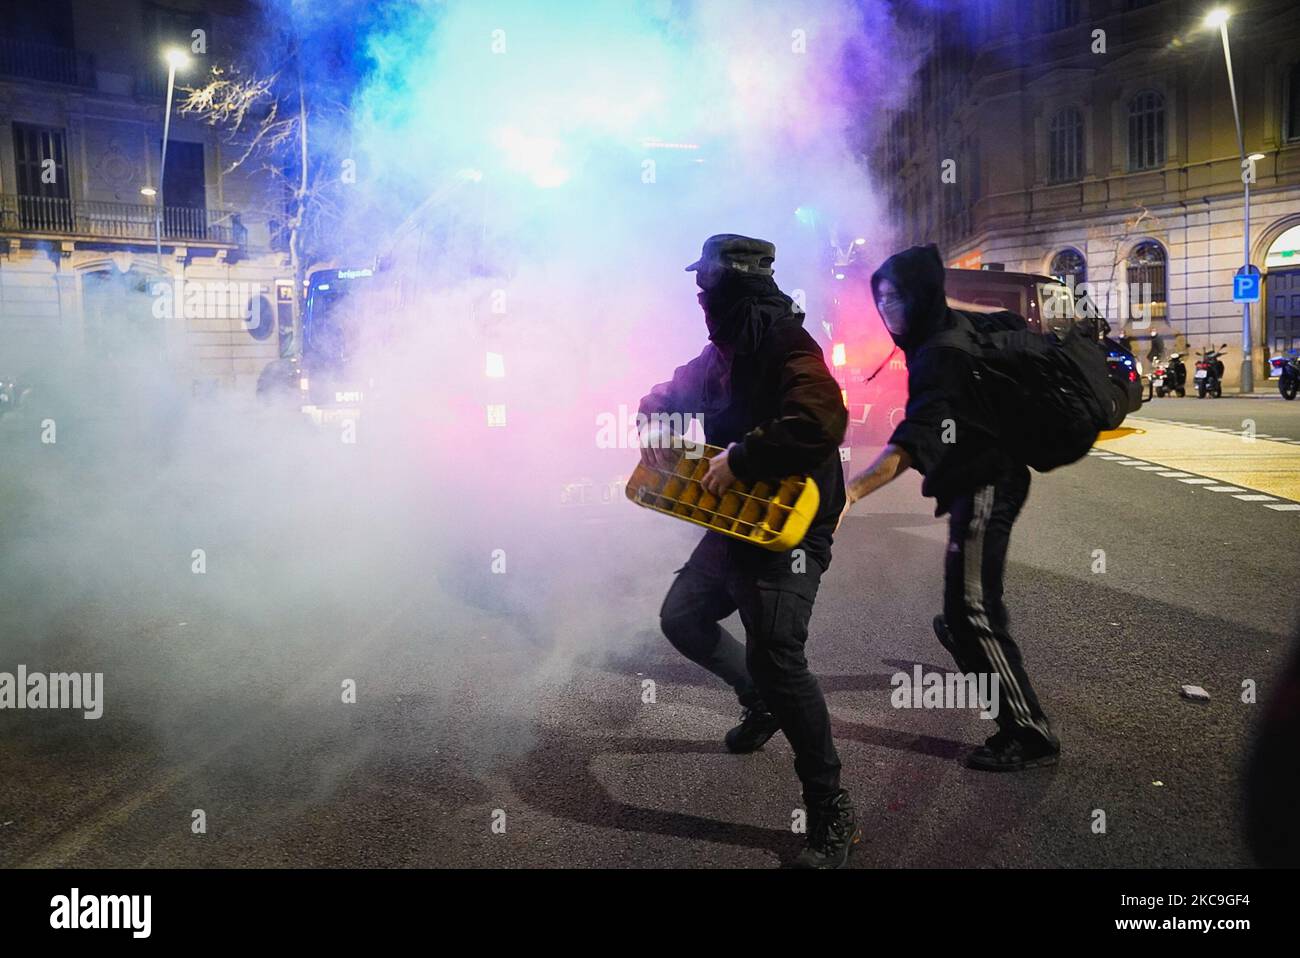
(1257, 394)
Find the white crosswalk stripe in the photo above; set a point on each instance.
(1241, 493)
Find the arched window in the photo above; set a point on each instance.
(1146, 277)
(1065, 146)
(1069, 264)
(1146, 131)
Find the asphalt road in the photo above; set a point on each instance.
(468, 746)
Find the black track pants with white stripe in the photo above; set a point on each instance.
(979, 531)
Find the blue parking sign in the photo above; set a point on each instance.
(1245, 288)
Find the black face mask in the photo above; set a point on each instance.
(918, 274)
(724, 313)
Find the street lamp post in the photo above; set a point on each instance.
(175, 59)
(1219, 18)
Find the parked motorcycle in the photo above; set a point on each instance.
(1209, 373)
(1287, 370)
(1169, 376)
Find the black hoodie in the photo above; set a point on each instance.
(774, 396)
(950, 430)
(917, 274)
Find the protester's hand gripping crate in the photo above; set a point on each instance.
(773, 515)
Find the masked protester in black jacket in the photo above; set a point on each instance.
(948, 437)
(762, 391)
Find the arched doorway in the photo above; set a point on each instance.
(122, 325)
(1281, 295)
(1145, 272)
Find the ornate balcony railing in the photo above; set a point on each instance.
(93, 219)
(24, 60)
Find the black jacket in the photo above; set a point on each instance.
(776, 398)
(951, 429)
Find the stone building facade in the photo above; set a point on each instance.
(1096, 139)
(83, 87)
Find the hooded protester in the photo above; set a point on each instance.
(762, 391)
(949, 436)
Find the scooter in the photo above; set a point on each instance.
(1287, 370)
(1209, 373)
(1156, 381)
(1173, 377)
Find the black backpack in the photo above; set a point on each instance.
(1049, 394)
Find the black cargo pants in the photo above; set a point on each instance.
(775, 601)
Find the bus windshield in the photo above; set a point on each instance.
(332, 318)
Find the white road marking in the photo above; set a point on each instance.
(1213, 485)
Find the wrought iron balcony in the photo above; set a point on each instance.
(21, 59)
(96, 220)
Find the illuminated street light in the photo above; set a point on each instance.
(1217, 19)
(148, 191)
(177, 59)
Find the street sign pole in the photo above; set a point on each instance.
(1247, 347)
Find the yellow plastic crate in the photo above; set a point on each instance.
(771, 515)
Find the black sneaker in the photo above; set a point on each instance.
(757, 725)
(1007, 752)
(946, 640)
(832, 832)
